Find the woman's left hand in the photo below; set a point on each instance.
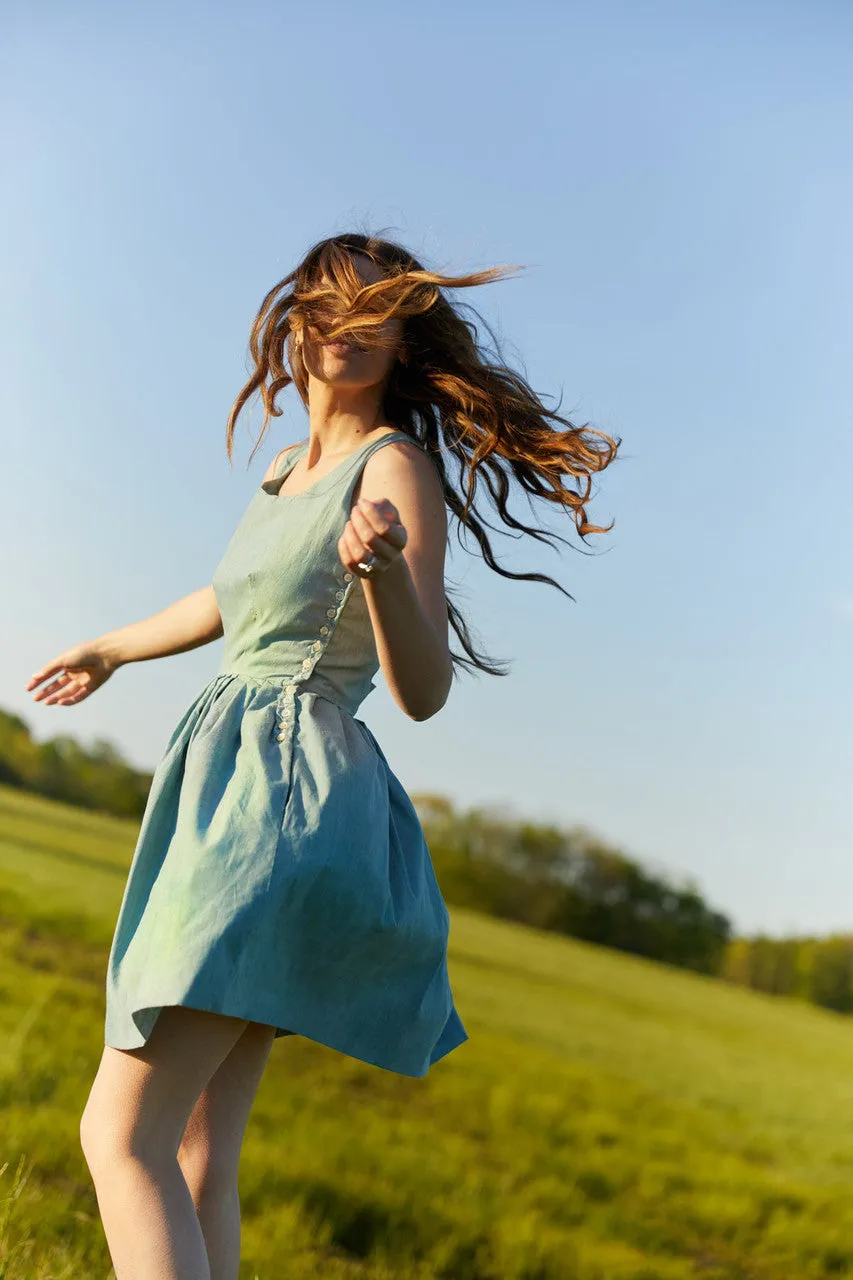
(373, 528)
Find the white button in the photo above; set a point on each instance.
(324, 631)
(330, 613)
(307, 662)
(288, 688)
(282, 736)
(339, 595)
(318, 644)
(347, 577)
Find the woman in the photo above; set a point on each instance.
(281, 883)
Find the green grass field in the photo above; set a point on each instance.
(609, 1117)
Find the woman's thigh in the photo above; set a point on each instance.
(210, 1149)
(141, 1099)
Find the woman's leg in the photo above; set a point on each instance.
(209, 1154)
(130, 1132)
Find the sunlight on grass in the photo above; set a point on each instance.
(609, 1119)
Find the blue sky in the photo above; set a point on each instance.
(677, 179)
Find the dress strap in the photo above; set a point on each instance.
(361, 455)
(287, 459)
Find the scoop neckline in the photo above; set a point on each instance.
(297, 452)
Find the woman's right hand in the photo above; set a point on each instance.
(76, 673)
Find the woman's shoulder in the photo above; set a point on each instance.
(407, 455)
(402, 466)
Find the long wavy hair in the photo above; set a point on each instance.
(460, 406)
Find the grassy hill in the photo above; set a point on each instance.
(609, 1119)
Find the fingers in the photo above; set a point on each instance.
(74, 694)
(65, 690)
(51, 689)
(352, 549)
(73, 698)
(56, 690)
(371, 518)
(49, 670)
(357, 545)
(380, 514)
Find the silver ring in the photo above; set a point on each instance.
(368, 565)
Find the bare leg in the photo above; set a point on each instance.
(130, 1131)
(209, 1154)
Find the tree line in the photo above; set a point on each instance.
(819, 970)
(571, 882)
(61, 768)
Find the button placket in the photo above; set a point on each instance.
(326, 630)
(333, 610)
(285, 706)
(284, 711)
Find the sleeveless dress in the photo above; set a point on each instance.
(281, 873)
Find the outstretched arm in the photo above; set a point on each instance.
(190, 622)
(74, 674)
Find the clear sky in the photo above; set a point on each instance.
(677, 179)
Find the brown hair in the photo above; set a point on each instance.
(442, 391)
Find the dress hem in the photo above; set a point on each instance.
(294, 1030)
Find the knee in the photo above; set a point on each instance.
(107, 1137)
(209, 1174)
(96, 1141)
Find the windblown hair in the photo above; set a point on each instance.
(443, 390)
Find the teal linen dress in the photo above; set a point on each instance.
(281, 873)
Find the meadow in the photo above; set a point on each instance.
(609, 1119)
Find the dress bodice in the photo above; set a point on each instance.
(290, 609)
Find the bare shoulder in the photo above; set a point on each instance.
(273, 467)
(403, 473)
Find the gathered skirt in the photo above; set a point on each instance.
(281, 875)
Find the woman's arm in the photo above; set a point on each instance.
(76, 673)
(407, 602)
(192, 621)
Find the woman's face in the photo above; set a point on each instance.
(342, 362)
